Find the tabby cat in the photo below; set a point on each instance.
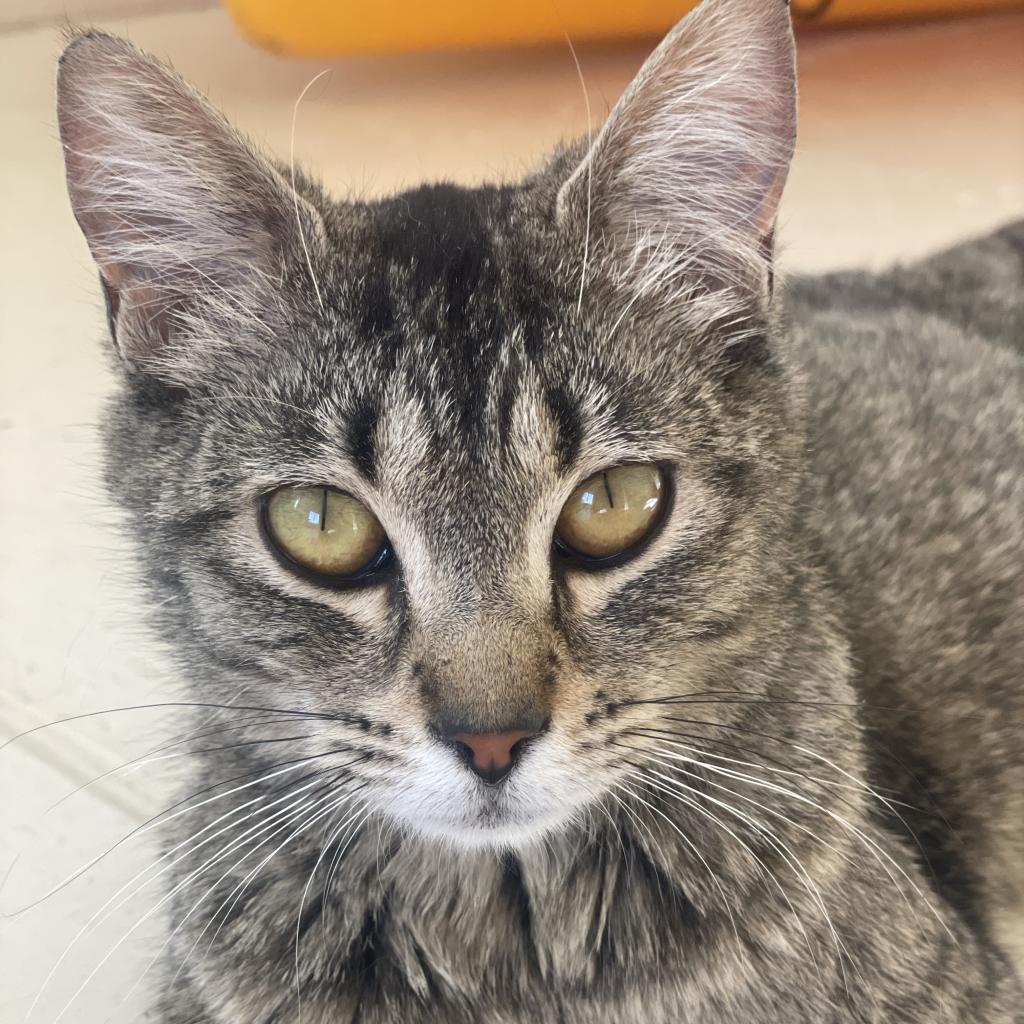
(592, 632)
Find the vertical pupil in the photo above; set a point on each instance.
(323, 512)
(608, 490)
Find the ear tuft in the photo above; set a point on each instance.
(183, 217)
(687, 173)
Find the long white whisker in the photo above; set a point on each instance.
(791, 772)
(124, 938)
(229, 902)
(656, 846)
(791, 859)
(112, 904)
(763, 868)
(277, 823)
(159, 820)
(673, 765)
(873, 846)
(689, 842)
(152, 757)
(365, 811)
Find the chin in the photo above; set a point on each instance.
(498, 832)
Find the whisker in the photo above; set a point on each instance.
(857, 784)
(692, 846)
(750, 697)
(277, 823)
(656, 845)
(112, 905)
(366, 812)
(616, 827)
(763, 869)
(590, 174)
(165, 817)
(791, 859)
(823, 783)
(157, 706)
(877, 850)
(747, 799)
(148, 758)
(160, 903)
(228, 904)
(830, 707)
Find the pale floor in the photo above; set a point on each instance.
(910, 139)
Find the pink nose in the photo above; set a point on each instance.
(492, 755)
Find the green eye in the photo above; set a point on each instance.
(612, 511)
(324, 531)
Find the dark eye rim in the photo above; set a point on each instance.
(572, 558)
(374, 572)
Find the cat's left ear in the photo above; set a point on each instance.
(196, 235)
(687, 173)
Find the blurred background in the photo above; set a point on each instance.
(911, 138)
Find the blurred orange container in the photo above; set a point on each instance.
(330, 27)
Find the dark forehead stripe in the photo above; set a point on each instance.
(450, 297)
(568, 423)
(361, 435)
(441, 237)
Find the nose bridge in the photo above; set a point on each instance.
(493, 674)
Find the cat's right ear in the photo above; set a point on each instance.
(193, 231)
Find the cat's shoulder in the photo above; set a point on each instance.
(935, 340)
(977, 286)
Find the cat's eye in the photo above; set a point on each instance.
(612, 512)
(325, 533)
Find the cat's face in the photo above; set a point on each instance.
(434, 377)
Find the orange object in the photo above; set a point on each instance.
(331, 27)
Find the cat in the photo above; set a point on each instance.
(584, 626)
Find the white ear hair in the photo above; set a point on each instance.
(687, 173)
(172, 201)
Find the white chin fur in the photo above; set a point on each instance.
(507, 836)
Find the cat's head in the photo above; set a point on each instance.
(470, 477)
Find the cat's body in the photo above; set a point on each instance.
(916, 389)
(774, 769)
(586, 930)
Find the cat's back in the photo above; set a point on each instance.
(916, 388)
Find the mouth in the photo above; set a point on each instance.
(441, 795)
(477, 815)
(493, 824)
